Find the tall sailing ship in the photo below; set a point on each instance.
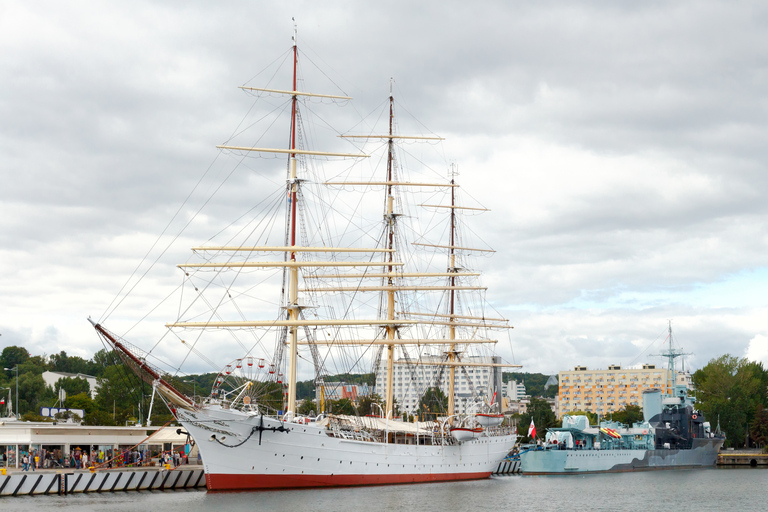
(371, 296)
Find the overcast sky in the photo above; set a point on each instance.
(621, 146)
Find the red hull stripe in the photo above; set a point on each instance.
(223, 482)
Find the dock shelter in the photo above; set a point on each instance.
(62, 439)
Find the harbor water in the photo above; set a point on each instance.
(677, 490)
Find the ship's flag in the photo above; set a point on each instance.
(493, 400)
(2, 401)
(532, 430)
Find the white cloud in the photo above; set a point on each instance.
(758, 349)
(621, 148)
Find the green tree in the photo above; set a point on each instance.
(61, 362)
(31, 390)
(758, 429)
(629, 415)
(72, 385)
(433, 403)
(81, 401)
(115, 399)
(13, 355)
(540, 412)
(729, 390)
(340, 406)
(307, 408)
(365, 405)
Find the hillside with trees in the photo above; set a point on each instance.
(534, 383)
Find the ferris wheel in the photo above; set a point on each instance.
(250, 383)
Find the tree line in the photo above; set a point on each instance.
(732, 393)
(122, 397)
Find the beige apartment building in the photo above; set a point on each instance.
(609, 390)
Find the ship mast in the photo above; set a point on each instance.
(452, 328)
(293, 272)
(390, 219)
(391, 324)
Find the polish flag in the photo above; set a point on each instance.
(532, 430)
(2, 401)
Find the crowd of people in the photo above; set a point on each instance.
(39, 459)
(82, 459)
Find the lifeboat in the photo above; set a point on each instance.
(465, 434)
(489, 420)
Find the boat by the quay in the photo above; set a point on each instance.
(249, 430)
(673, 434)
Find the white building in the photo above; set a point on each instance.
(515, 390)
(51, 378)
(62, 439)
(684, 378)
(412, 381)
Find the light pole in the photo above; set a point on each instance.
(17, 387)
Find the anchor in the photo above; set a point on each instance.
(261, 428)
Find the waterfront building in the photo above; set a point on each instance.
(61, 439)
(411, 381)
(51, 378)
(606, 391)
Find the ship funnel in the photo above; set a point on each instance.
(651, 403)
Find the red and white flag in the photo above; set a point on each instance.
(493, 400)
(2, 401)
(532, 430)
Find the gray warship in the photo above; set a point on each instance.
(673, 434)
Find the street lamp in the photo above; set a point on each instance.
(17, 387)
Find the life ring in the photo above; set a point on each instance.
(694, 416)
(645, 432)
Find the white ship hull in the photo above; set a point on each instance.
(306, 456)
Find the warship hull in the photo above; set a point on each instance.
(703, 453)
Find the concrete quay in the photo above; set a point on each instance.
(48, 481)
(742, 458)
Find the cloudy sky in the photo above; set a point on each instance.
(621, 146)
